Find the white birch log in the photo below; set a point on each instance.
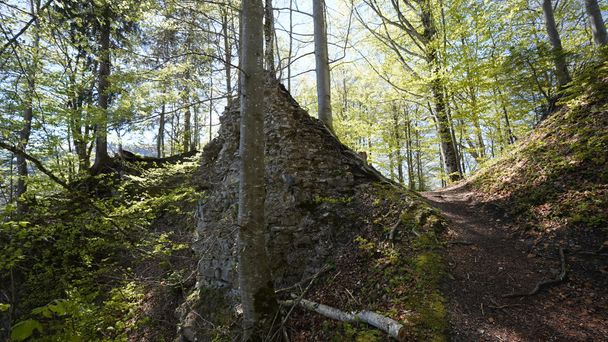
(390, 326)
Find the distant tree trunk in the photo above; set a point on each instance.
(187, 136)
(408, 146)
(160, 139)
(419, 168)
(260, 307)
(448, 148)
(559, 59)
(290, 52)
(24, 138)
(102, 158)
(28, 115)
(227, 58)
(269, 37)
(322, 63)
(598, 28)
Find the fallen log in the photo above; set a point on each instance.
(390, 326)
(132, 157)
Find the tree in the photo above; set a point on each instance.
(598, 28)
(269, 37)
(101, 135)
(559, 59)
(417, 22)
(258, 298)
(322, 63)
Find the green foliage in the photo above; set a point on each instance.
(86, 262)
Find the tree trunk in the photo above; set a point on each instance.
(28, 115)
(322, 63)
(102, 159)
(260, 307)
(227, 58)
(559, 59)
(443, 125)
(269, 37)
(600, 37)
(187, 136)
(160, 140)
(408, 146)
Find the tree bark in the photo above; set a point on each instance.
(322, 63)
(443, 125)
(559, 59)
(393, 328)
(102, 159)
(260, 307)
(28, 115)
(269, 37)
(598, 28)
(160, 139)
(227, 58)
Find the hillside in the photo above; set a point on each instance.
(556, 179)
(527, 243)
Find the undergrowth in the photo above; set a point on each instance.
(78, 270)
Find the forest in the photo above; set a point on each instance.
(323, 170)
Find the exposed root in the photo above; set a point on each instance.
(545, 283)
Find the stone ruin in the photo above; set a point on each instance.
(314, 186)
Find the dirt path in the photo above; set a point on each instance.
(487, 260)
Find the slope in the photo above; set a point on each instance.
(527, 243)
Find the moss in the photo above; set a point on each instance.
(332, 200)
(348, 332)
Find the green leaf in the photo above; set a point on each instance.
(4, 307)
(24, 329)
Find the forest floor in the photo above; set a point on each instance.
(488, 258)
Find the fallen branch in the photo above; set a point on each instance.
(393, 328)
(545, 283)
(132, 157)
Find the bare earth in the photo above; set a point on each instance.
(488, 259)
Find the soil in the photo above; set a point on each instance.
(488, 258)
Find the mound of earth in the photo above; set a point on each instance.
(556, 180)
(327, 210)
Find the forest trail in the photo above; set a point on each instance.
(487, 260)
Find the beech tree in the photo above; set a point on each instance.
(322, 63)
(598, 28)
(559, 59)
(258, 298)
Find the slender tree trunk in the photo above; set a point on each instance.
(408, 146)
(269, 37)
(260, 307)
(598, 28)
(322, 63)
(102, 158)
(559, 59)
(448, 149)
(187, 136)
(160, 140)
(227, 58)
(24, 137)
(421, 185)
(290, 52)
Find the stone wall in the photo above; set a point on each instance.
(313, 187)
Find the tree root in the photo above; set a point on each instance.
(545, 283)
